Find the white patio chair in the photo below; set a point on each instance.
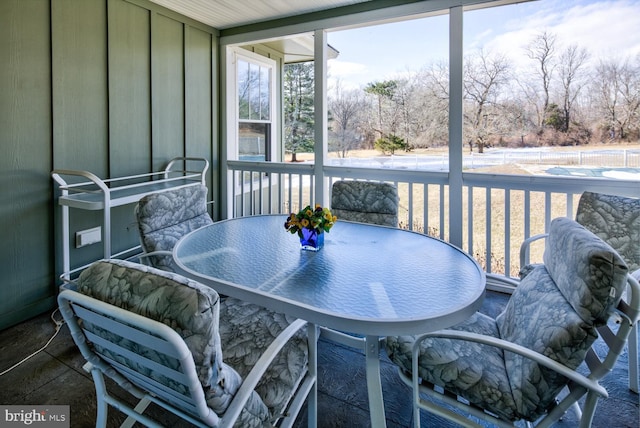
(161, 337)
(163, 218)
(517, 367)
(615, 220)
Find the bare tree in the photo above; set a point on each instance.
(484, 76)
(617, 85)
(542, 50)
(571, 64)
(629, 88)
(345, 107)
(531, 100)
(606, 94)
(433, 104)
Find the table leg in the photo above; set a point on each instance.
(374, 384)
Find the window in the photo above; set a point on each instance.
(252, 135)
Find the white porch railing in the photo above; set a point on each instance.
(500, 211)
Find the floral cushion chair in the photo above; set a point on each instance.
(226, 340)
(165, 217)
(365, 202)
(615, 220)
(544, 333)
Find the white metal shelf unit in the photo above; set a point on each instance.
(86, 191)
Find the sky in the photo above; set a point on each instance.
(606, 28)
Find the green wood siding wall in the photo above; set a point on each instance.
(114, 87)
(26, 253)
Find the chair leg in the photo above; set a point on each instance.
(589, 409)
(633, 358)
(102, 407)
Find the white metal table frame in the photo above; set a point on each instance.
(370, 280)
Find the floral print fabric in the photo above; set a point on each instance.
(246, 331)
(615, 220)
(186, 306)
(554, 311)
(165, 217)
(588, 272)
(365, 202)
(207, 326)
(472, 370)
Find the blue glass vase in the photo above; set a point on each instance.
(311, 239)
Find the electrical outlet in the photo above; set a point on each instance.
(88, 236)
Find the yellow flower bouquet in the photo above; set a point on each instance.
(310, 225)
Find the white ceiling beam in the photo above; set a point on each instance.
(387, 14)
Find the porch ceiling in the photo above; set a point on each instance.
(222, 14)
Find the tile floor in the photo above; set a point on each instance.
(55, 376)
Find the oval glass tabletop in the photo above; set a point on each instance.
(366, 273)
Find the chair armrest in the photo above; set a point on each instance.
(251, 380)
(524, 248)
(144, 257)
(511, 347)
(631, 308)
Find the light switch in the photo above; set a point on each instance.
(88, 236)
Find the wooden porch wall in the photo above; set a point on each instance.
(114, 87)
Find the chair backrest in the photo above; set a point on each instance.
(160, 332)
(365, 202)
(165, 368)
(165, 217)
(615, 220)
(558, 309)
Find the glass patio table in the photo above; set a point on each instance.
(369, 280)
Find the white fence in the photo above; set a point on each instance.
(588, 158)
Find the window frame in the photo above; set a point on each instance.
(236, 55)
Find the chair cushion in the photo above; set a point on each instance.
(165, 217)
(246, 332)
(472, 370)
(555, 311)
(615, 220)
(538, 317)
(186, 306)
(365, 202)
(588, 272)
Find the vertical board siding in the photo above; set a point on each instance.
(130, 124)
(26, 253)
(79, 99)
(79, 76)
(99, 86)
(198, 89)
(129, 48)
(167, 83)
